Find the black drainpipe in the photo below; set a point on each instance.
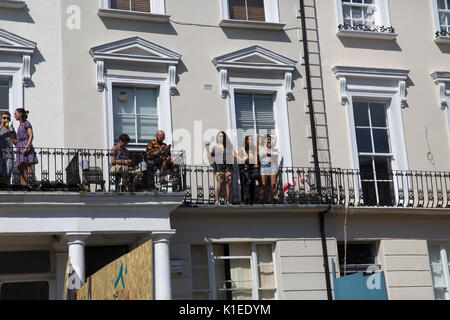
(314, 145)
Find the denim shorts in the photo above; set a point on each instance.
(6, 166)
(268, 169)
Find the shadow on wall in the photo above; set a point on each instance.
(139, 26)
(255, 34)
(22, 15)
(444, 47)
(372, 44)
(36, 59)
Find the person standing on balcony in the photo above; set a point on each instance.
(248, 165)
(269, 157)
(159, 156)
(7, 137)
(26, 156)
(120, 161)
(221, 156)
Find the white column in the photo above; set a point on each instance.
(163, 287)
(61, 260)
(76, 243)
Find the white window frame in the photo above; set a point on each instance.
(439, 38)
(253, 265)
(382, 18)
(163, 103)
(374, 154)
(157, 12)
(271, 12)
(37, 277)
(13, 74)
(387, 86)
(279, 109)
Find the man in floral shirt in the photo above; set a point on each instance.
(158, 153)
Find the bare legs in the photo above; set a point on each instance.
(272, 179)
(223, 178)
(25, 169)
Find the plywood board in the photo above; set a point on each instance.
(130, 277)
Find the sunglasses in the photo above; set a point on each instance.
(6, 118)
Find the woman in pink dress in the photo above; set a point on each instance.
(26, 156)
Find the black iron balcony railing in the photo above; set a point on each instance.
(91, 170)
(87, 170)
(297, 185)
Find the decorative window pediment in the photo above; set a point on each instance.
(134, 50)
(16, 45)
(442, 80)
(254, 58)
(367, 79)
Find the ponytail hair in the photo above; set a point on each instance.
(23, 113)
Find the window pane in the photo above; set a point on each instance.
(121, 4)
(361, 114)
(369, 193)
(123, 100)
(238, 10)
(383, 168)
(366, 168)
(266, 294)
(24, 262)
(381, 140)
(385, 193)
(363, 140)
(266, 276)
(356, 13)
(4, 95)
(124, 124)
(347, 15)
(256, 10)
(147, 128)
(146, 101)
(236, 282)
(265, 120)
(141, 5)
(240, 249)
(25, 291)
(441, 4)
(200, 274)
(378, 115)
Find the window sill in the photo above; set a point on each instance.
(12, 4)
(133, 15)
(367, 35)
(443, 39)
(229, 23)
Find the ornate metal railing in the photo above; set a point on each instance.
(90, 170)
(366, 28)
(298, 185)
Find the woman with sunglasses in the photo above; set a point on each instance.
(7, 138)
(26, 156)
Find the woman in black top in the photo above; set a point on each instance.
(222, 157)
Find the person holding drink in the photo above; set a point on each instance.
(7, 138)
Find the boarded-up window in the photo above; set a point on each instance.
(131, 5)
(252, 10)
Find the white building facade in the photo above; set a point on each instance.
(379, 93)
